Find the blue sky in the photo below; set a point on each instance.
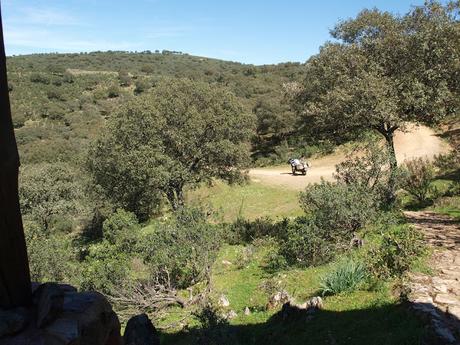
(257, 31)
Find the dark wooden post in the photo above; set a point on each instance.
(15, 289)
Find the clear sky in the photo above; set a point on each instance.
(257, 31)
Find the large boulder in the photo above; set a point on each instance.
(62, 316)
(140, 331)
(13, 321)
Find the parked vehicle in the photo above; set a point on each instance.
(298, 166)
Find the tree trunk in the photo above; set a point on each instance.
(172, 199)
(391, 193)
(15, 287)
(180, 196)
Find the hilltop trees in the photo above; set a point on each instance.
(385, 72)
(180, 134)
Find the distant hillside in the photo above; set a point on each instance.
(60, 101)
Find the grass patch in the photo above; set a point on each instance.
(249, 201)
(449, 206)
(358, 317)
(345, 277)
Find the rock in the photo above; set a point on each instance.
(247, 311)
(443, 332)
(62, 331)
(278, 299)
(291, 310)
(424, 299)
(446, 299)
(97, 321)
(315, 303)
(140, 331)
(454, 311)
(223, 301)
(68, 318)
(226, 263)
(12, 321)
(49, 299)
(231, 315)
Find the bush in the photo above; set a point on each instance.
(245, 231)
(181, 250)
(142, 85)
(396, 251)
(368, 169)
(113, 91)
(117, 223)
(105, 269)
(419, 175)
(50, 256)
(346, 276)
(39, 78)
(303, 245)
(338, 209)
(49, 191)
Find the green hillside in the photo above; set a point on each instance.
(60, 101)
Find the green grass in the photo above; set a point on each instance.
(449, 206)
(359, 317)
(249, 201)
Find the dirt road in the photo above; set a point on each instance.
(417, 142)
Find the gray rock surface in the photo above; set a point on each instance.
(62, 316)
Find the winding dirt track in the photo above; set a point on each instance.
(417, 142)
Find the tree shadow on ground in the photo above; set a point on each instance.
(391, 324)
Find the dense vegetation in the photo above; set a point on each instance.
(111, 143)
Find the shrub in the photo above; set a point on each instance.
(113, 91)
(339, 209)
(245, 231)
(39, 78)
(419, 175)
(50, 256)
(303, 245)
(368, 170)
(142, 85)
(180, 252)
(395, 252)
(48, 191)
(55, 94)
(105, 269)
(118, 222)
(346, 276)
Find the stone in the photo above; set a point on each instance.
(62, 331)
(97, 321)
(443, 332)
(140, 331)
(446, 299)
(277, 299)
(223, 301)
(231, 315)
(12, 321)
(226, 263)
(49, 299)
(316, 303)
(423, 299)
(68, 318)
(247, 311)
(454, 311)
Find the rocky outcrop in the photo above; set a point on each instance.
(60, 315)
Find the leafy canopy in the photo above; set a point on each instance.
(180, 134)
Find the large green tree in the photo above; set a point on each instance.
(180, 134)
(383, 72)
(50, 190)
